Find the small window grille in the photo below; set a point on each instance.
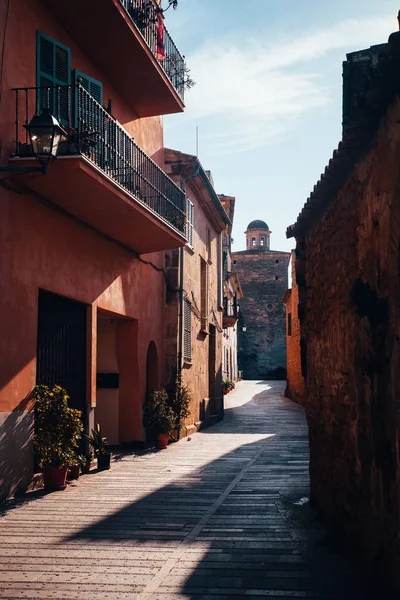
(187, 338)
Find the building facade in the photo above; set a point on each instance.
(263, 276)
(232, 295)
(295, 389)
(347, 270)
(195, 302)
(80, 305)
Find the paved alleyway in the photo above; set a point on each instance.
(222, 516)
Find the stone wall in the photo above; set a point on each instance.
(349, 276)
(295, 381)
(264, 279)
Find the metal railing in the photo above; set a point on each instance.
(144, 13)
(93, 132)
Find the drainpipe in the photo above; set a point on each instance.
(181, 274)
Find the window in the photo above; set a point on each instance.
(189, 221)
(53, 69)
(94, 87)
(253, 241)
(204, 294)
(276, 277)
(262, 241)
(220, 268)
(187, 331)
(208, 242)
(289, 324)
(276, 261)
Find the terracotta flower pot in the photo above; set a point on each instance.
(54, 479)
(162, 441)
(103, 461)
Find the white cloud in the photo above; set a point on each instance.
(251, 91)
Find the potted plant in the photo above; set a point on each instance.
(159, 417)
(75, 467)
(58, 430)
(88, 462)
(179, 398)
(99, 445)
(228, 385)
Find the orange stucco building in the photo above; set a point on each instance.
(80, 305)
(295, 388)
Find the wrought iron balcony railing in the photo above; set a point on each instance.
(94, 133)
(144, 15)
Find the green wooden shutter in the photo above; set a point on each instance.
(94, 87)
(53, 68)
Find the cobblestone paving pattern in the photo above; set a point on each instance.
(221, 516)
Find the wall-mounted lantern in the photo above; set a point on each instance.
(244, 328)
(45, 135)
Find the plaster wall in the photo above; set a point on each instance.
(295, 389)
(40, 248)
(107, 400)
(196, 373)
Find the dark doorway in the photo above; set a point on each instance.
(61, 347)
(212, 351)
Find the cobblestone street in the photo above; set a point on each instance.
(222, 515)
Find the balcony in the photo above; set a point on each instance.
(231, 312)
(120, 38)
(101, 176)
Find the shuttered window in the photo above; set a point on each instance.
(187, 338)
(94, 87)
(189, 221)
(53, 69)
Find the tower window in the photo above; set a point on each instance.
(289, 324)
(262, 241)
(253, 241)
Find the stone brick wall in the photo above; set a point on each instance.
(264, 279)
(295, 381)
(349, 271)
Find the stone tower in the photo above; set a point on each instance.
(263, 274)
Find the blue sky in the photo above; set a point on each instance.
(268, 93)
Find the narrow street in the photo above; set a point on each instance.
(222, 515)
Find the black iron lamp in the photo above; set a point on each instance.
(45, 135)
(244, 328)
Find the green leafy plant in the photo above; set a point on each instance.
(58, 427)
(179, 398)
(229, 385)
(157, 413)
(97, 441)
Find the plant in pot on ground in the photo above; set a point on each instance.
(100, 447)
(75, 467)
(58, 430)
(158, 417)
(228, 385)
(179, 398)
